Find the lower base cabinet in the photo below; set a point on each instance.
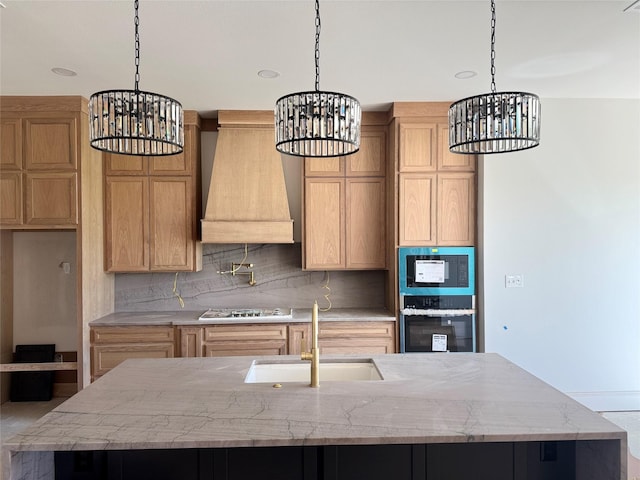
(110, 346)
(478, 461)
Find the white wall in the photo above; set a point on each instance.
(566, 215)
(44, 296)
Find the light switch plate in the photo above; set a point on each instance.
(513, 281)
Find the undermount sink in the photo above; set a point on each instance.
(341, 370)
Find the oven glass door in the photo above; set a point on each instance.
(422, 333)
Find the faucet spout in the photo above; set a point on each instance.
(314, 354)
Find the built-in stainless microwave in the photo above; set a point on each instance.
(436, 270)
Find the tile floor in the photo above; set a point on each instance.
(15, 416)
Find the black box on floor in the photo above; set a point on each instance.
(32, 386)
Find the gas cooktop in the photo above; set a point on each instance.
(213, 313)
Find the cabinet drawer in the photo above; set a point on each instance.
(110, 335)
(367, 346)
(245, 333)
(106, 357)
(356, 330)
(247, 348)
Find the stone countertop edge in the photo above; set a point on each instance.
(190, 317)
(204, 403)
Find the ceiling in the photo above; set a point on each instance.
(207, 53)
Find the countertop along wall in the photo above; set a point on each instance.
(566, 216)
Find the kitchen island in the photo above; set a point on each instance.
(433, 416)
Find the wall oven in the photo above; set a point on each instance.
(437, 299)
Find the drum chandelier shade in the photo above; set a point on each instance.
(134, 122)
(495, 122)
(316, 123)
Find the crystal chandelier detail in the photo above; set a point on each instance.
(134, 122)
(317, 123)
(495, 122)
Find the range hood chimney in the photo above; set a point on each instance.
(247, 201)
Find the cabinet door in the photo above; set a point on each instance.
(127, 224)
(50, 199)
(11, 145)
(324, 219)
(115, 164)
(324, 167)
(299, 334)
(417, 205)
(11, 198)
(452, 161)
(365, 223)
(171, 226)
(417, 147)
(370, 159)
(51, 144)
(456, 208)
(190, 341)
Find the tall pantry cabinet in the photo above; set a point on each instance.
(431, 192)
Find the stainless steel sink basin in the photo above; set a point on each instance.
(340, 370)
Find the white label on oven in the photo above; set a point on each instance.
(438, 342)
(430, 271)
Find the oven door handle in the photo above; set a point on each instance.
(437, 313)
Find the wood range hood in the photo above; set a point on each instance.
(247, 201)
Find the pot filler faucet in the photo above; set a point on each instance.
(314, 354)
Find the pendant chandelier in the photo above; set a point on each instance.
(134, 122)
(315, 123)
(495, 122)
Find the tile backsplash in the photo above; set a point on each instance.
(281, 282)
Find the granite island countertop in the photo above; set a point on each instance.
(204, 403)
(190, 317)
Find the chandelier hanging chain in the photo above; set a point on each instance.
(494, 122)
(317, 123)
(136, 22)
(317, 50)
(493, 47)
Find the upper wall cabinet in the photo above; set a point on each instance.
(436, 189)
(39, 162)
(344, 225)
(152, 209)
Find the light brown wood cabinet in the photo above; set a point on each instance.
(436, 208)
(356, 337)
(233, 340)
(344, 224)
(110, 346)
(152, 209)
(285, 339)
(38, 168)
(436, 189)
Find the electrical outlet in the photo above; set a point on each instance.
(513, 281)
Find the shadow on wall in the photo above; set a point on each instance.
(280, 282)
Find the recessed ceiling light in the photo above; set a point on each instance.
(465, 74)
(64, 72)
(268, 74)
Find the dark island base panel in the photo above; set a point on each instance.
(549, 460)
